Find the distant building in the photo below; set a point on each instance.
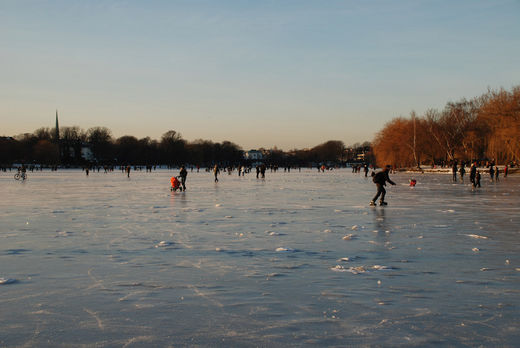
(80, 152)
(73, 151)
(86, 153)
(254, 155)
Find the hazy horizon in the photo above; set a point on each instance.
(290, 74)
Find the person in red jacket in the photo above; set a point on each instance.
(175, 184)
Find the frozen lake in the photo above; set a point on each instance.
(297, 259)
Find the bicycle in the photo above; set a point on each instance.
(20, 176)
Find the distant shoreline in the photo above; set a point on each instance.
(448, 170)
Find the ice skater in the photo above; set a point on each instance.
(462, 172)
(183, 174)
(262, 171)
(473, 174)
(380, 180)
(216, 172)
(454, 171)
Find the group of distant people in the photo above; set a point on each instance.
(179, 182)
(382, 177)
(474, 173)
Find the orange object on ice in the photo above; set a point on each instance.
(175, 183)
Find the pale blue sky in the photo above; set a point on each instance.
(258, 73)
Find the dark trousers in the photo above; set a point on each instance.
(380, 191)
(183, 182)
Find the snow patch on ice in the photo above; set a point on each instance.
(5, 281)
(163, 243)
(353, 270)
(349, 237)
(476, 236)
(349, 259)
(360, 269)
(63, 234)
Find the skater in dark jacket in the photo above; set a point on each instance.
(473, 174)
(380, 180)
(477, 180)
(183, 174)
(454, 171)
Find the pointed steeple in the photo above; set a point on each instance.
(57, 130)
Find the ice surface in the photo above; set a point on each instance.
(107, 260)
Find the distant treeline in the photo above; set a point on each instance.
(73, 146)
(483, 128)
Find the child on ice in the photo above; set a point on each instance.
(175, 184)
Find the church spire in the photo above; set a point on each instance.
(57, 130)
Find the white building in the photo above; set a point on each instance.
(87, 154)
(254, 155)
